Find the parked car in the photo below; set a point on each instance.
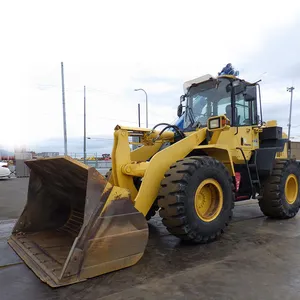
(4, 170)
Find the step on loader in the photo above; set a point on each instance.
(78, 224)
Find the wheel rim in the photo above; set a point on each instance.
(291, 189)
(208, 200)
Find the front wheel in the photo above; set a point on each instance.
(196, 199)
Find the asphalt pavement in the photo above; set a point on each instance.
(13, 193)
(256, 258)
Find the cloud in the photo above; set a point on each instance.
(113, 47)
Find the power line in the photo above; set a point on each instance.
(99, 138)
(100, 117)
(44, 87)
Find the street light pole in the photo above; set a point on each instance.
(290, 89)
(146, 104)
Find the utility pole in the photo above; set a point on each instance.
(139, 114)
(64, 108)
(290, 89)
(84, 126)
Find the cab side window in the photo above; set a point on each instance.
(243, 111)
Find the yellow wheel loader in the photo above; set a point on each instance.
(78, 224)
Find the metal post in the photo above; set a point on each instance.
(64, 108)
(139, 114)
(146, 104)
(146, 109)
(290, 89)
(84, 126)
(136, 139)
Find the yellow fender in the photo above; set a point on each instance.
(221, 153)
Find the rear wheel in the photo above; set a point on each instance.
(280, 194)
(196, 199)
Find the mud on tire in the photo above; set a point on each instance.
(273, 202)
(176, 199)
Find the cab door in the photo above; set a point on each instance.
(246, 134)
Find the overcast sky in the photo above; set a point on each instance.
(113, 47)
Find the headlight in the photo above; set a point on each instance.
(213, 124)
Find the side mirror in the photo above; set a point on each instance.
(179, 110)
(250, 93)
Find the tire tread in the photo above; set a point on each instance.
(271, 202)
(171, 198)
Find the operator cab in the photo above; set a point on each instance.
(207, 97)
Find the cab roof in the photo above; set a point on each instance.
(204, 78)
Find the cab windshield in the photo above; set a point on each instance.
(205, 100)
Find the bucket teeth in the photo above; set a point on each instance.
(75, 224)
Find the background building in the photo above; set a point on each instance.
(47, 154)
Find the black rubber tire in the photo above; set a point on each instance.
(273, 202)
(176, 199)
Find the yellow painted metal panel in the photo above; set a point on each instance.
(159, 164)
(221, 153)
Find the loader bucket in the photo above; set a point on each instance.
(75, 224)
